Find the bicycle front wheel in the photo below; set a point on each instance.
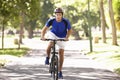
(55, 68)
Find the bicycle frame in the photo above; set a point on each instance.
(54, 48)
(54, 62)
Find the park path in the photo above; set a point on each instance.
(77, 66)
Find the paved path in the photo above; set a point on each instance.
(76, 65)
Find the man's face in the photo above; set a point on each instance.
(58, 16)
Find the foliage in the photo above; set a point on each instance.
(6, 8)
(77, 13)
(47, 9)
(116, 7)
(38, 11)
(11, 9)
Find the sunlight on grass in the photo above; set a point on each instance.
(117, 57)
(117, 70)
(14, 52)
(11, 53)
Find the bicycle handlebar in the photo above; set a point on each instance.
(54, 40)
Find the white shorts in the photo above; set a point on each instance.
(61, 44)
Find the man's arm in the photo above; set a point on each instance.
(68, 34)
(43, 32)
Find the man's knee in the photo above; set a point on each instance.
(61, 50)
(50, 45)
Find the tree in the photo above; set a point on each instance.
(5, 12)
(32, 16)
(29, 12)
(103, 22)
(74, 19)
(17, 10)
(114, 36)
(47, 10)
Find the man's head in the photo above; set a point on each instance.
(58, 14)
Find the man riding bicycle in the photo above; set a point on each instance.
(61, 29)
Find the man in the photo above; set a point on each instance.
(61, 29)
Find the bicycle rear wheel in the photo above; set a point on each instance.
(55, 68)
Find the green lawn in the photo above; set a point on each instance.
(14, 51)
(11, 49)
(107, 54)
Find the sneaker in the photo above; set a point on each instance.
(47, 61)
(60, 76)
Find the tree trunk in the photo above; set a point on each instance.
(30, 32)
(31, 27)
(114, 36)
(21, 28)
(3, 35)
(103, 22)
(76, 35)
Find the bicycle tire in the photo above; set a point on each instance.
(55, 68)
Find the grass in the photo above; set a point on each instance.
(117, 70)
(108, 55)
(116, 57)
(11, 52)
(11, 49)
(14, 51)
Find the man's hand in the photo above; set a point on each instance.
(66, 39)
(68, 34)
(42, 38)
(43, 32)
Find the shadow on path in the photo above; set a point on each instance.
(40, 72)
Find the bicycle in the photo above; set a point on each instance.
(53, 66)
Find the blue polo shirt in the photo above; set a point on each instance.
(59, 28)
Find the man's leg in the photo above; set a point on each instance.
(61, 58)
(48, 53)
(49, 49)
